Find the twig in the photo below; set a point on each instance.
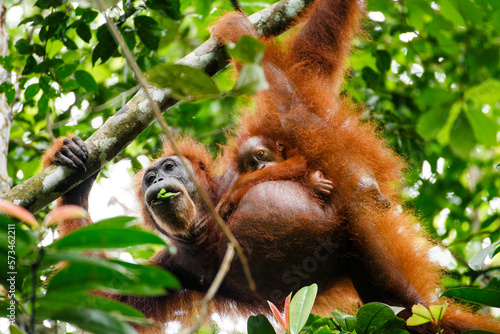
(143, 82)
(214, 287)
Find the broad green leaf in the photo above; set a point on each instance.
(430, 123)
(323, 330)
(471, 12)
(372, 317)
(485, 129)
(15, 330)
(301, 306)
(36, 19)
(114, 222)
(345, 321)
(66, 70)
(247, 50)
(438, 311)
(30, 64)
(46, 4)
(88, 14)
(86, 80)
(84, 32)
(462, 137)
(477, 261)
(259, 324)
(320, 323)
(383, 60)
(169, 8)
(429, 98)
(54, 256)
(184, 81)
(421, 315)
(148, 31)
(107, 238)
(53, 303)
(106, 45)
(55, 19)
(94, 321)
(138, 279)
(449, 9)
(444, 134)
(251, 79)
(24, 47)
(487, 92)
(486, 297)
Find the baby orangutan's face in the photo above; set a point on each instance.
(256, 154)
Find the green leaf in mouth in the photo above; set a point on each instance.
(163, 194)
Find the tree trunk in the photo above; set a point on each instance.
(5, 112)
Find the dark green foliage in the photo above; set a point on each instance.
(67, 296)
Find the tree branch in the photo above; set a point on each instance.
(130, 121)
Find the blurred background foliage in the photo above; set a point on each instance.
(426, 73)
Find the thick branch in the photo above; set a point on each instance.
(118, 131)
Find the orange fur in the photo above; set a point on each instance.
(303, 108)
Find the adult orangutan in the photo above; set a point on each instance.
(346, 242)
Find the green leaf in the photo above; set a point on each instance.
(486, 297)
(184, 81)
(372, 317)
(66, 70)
(430, 97)
(24, 47)
(46, 4)
(31, 91)
(9, 90)
(259, 324)
(344, 321)
(86, 80)
(430, 123)
(316, 326)
(444, 134)
(93, 321)
(169, 8)
(476, 263)
(163, 194)
(115, 222)
(137, 279)
(462, 137)
(84, 32)
(88, 14)
(54, 302)
(383, 60)
(30, 65)
(250, 80)
(438, 311)
(449, 9)
(301, 306)
(485, 129)
(487, 92)
(107, 238)
(421, 315)
(54, 256)
(36, 19)
(106, 45)
(148, 31)
(247, 50)
(55, 19)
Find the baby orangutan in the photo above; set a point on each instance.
(257, 154)
(261, 160)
